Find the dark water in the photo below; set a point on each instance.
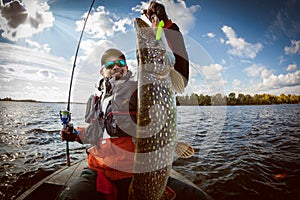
(239, 150)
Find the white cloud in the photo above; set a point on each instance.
(294, 48)
(102, 24)
(291, 67)
(256, 70)
(240, 47)
(177, 11)
(206, 79)
(120, 24)
(6, 79)
(211, 35)
(265, 81)
(213, 71)
(236, 82)
(37, 19)
(35, 45)
(99, 24)
(43, 92)
(282, 80)
(33, 75)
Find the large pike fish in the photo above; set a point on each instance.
(156, 119)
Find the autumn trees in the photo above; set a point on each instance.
(240, 99)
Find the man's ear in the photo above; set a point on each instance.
(101, 71)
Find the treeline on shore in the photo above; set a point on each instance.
(23, 100)
(240, 99)
(35, 101)
(219, 99)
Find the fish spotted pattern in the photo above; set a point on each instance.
(156, 120)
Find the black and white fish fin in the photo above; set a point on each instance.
(184, 150)
(177, 81)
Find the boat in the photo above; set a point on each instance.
(50, 187)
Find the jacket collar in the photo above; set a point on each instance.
(168, 24)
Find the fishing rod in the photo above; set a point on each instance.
(66, 115)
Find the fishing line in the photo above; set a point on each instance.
(71, 81)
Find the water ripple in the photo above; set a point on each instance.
(240, 151)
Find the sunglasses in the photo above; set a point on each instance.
(111, 64)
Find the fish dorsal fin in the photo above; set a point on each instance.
(177, 81)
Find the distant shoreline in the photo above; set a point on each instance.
(216, 100)
(34, 101)
(19, 100)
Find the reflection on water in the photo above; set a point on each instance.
(241, 152)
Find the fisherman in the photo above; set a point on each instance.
(110, 160)
(156, 13)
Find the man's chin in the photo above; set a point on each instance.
(118, 75)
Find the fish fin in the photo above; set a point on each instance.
(168, 194)
(177, 81)
(184, 150)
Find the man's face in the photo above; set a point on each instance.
(115, 67)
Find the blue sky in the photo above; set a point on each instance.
(236, 46)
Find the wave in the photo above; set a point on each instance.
(39, 130)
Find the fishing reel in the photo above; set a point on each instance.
(65, 117)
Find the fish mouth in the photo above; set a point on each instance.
(143, 29)
(138, 22)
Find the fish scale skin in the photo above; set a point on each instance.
(156, 119)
